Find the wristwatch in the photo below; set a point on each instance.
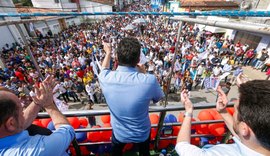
(187, 114)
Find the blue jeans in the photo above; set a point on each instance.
(254, 62)
(258, 64)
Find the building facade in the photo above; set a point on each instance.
(9, 33)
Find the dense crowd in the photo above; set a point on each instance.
(134, 57)
(74, 56)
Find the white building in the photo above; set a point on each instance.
(254, 40)
(9, 33)
(76, 5)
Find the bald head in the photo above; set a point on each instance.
(8, 105)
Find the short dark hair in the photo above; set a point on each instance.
(8, 108)
(128, 52)
(254, 109)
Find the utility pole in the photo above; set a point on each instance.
(29, 50)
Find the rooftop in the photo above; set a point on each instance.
(209, 4)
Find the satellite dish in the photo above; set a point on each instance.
(244, 5)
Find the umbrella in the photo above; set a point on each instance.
(129, 27)
(139, 20)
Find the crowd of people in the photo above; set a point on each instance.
(72, 55)
(75, 54)
(107, 59)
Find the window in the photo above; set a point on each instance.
(72, 1)
(56, 1)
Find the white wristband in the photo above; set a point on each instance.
(187, 114)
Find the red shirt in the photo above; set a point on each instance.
(172, 49)
(189, 57)
(19, 75)
(80, 73)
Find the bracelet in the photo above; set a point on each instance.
(187, 114)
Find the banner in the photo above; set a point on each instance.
(211, 82)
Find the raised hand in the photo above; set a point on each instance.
(44, 94)
(222, 100)
(241, 78)
(186, 101)
(107, 48)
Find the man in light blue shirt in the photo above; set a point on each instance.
(128, 93)
(15, 140)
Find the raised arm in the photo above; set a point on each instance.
(221, 108)
(185, 132)
(39, 100)
(107, 59)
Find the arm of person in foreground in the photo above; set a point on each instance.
(185, 132)
(221, 108)
(223, 101)
(58, 142)
(183, 146)
(40, 100)
(107, 59)
(60, 139)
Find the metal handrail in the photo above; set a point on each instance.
(152, 109)
(161, 138)
(152, 126)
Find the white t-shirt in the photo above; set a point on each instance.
(236, 149)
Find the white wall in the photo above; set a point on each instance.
(42, 27)
(6, 36)
(265, 41)
(228, 32)
(72, 21)
(88, 6)
(54, 25)
(10, 34)
(46, 4)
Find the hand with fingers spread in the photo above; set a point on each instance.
(222, 100)
(44, 94)
(186, 101)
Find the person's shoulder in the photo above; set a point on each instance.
(225, 149)
(147, 78)
(104, 73)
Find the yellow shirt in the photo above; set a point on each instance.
(89, 51)
(88, 78)
(231, 62)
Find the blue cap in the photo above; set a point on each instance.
(163, 151)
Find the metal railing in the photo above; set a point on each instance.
(152, 109)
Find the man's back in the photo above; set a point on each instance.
(22, 144)
(128, 94)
